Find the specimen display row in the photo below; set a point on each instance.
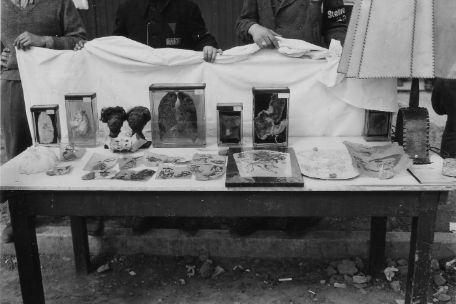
(178, 119)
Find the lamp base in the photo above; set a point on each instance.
(412, 132)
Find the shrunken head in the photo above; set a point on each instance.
(114, 117)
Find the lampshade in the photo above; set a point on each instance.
(401, 38)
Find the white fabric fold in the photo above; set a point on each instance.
(120, 71)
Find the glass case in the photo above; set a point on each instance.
(178, 115)
(46, 124)
(377, 125)
(82, 119)
(229, 124)
(270, 117)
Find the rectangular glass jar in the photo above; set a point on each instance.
(178, 115)
(270, 117)
(46, 124)
(377, 125)
(82, 119)
(229, 124)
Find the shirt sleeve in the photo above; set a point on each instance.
(72, 27)
(334, 21)
(199, 34)
(248, 17)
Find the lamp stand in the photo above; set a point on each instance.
(412, 127)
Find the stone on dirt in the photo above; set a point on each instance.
(442, 289)
(207, 269)
(439, 280)
(443, 297)
(360, 279)
(359, 263)
(340, 285)
(347, 267)
(218, 271)
(330, 271)
(396, 286)
(435, 265)
(103, 268)
(336, 278)
(390, 272)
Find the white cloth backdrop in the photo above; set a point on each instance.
(120, 71)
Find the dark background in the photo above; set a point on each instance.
(220, 17)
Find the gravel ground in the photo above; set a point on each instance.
(152, 279)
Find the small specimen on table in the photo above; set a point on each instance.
(80, 124)
(45, 128)
(186, 116)
(176, 172)
(60, 170)
(154, 159)
(132, 175)
(208, 159)
(204, 172)
(37, 159)
(167, 114)
(129, 162)
(137, 118)
(114, 117)
(99, 162)
(70, 152)
(106, 174)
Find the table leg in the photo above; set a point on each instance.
(80, 244)
(377, 244)
(421, 239)
(28, 260)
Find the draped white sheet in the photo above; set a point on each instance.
(120, 71)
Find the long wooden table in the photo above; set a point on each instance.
(38, 194)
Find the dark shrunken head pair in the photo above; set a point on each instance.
(137, 118)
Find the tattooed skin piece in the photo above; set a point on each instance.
(167, 113)
(186, 116)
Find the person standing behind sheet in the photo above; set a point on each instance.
(166, 23)
(314, 21)
(54, 24)
(444, 102)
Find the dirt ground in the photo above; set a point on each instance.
(152, 279)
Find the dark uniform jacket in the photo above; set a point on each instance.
(315, 21)
(163, 23)
(444, 103)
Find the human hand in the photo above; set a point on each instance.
(80, 45)
(263, 36)
(210, 53)
(25, 40)
(5, 57)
